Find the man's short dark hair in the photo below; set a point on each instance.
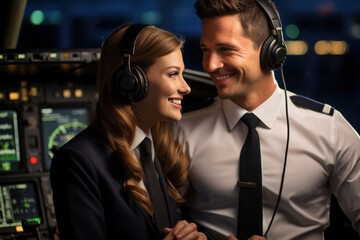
(252, 17)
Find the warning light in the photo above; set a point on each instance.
(33, 160)
(14, 96)
(19, 228)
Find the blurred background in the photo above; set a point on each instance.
(323, 63)
(323, 38)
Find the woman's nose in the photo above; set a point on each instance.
(184, 87)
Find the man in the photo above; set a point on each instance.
(324, 150)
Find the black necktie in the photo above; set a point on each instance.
(153, 187)
(250, 184)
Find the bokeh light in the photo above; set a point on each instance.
(37, 17)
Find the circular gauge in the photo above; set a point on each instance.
(63, 134)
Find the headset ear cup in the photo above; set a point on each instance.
(141, 83)
(123, 83)
(131, 85)
(266, 61)
(272, 54)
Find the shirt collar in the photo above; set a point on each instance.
(139, 137)
(266, 112)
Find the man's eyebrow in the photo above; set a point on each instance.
(218, 45)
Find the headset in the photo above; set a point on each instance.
(273, 50)
(130, 82)
(272, 57)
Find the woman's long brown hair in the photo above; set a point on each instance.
(115, 118)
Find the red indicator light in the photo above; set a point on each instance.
(33, 160)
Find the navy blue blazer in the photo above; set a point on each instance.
(87, 183)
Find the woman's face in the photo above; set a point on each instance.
(166, 90)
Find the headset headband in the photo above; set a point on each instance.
(127, 44)
(273, 17)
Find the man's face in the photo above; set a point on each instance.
(229, 57)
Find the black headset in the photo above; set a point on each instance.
(273, 51)
(272, 57)
(130, 81)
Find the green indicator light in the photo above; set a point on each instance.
(6, 166)
(37, 17)
(53, 55)
(292, 31)
(21, 56)
(1, 57)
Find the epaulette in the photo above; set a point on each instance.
(204, 103)
(304, 102)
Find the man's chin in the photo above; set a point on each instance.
(223, 95)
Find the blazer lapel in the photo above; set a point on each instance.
(119, 173)
(149, 220)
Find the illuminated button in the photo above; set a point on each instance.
(21, 56)
(53, 55)
(33, 160)
(67, 93)
(6, 166)
(2, 96)
(34, 91)
(14, 96)
(66, 55)
(24, 94)
(19, 229)
(78, 93)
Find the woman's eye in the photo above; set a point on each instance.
(173, 74)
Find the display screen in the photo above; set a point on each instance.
(18, 202)
(59, 125)
(9, 141)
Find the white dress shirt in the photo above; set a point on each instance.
(323, 157)
(138, 138)
(134, 148)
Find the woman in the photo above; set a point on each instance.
(99, 187)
